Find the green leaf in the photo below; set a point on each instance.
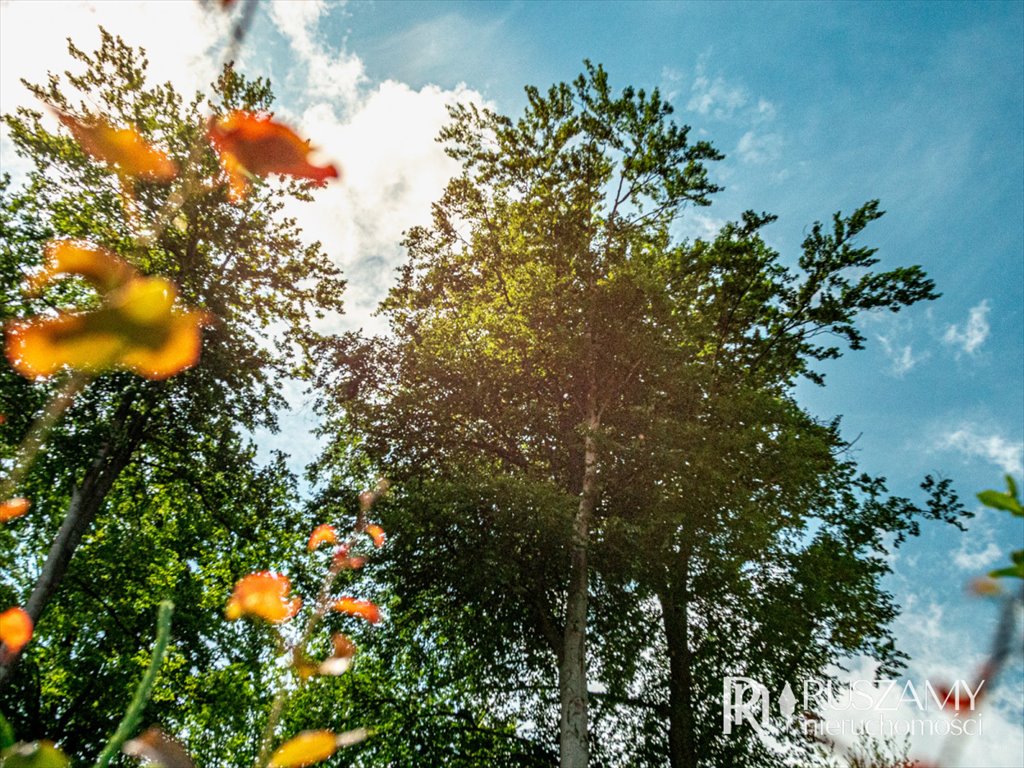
(1003, 572)
(34, 754)
(997, 500)
(6, 733)
(1011, 486)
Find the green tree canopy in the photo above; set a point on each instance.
(150, 490)
(576, 404)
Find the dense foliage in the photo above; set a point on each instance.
(177, 505)
(605, 497)
(581, 408)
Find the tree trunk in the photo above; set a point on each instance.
(675, 610)
(572, 671)
(86, 500)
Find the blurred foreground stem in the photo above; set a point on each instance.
(134, 712)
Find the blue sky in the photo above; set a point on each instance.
(818, 107)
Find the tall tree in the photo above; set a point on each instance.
(522, 311)
(732, 476)
(133, 460)
(564, 378)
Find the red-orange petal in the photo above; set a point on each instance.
(13, 508)
(342, 560)
(255, 143)
(344, 648)
(121, 147)
(263, 594)
(15, 629)
(362, 609)
(322, 534)
(376, 533)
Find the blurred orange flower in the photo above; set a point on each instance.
(136, 327)
(13, 508)
(342, 559)
(314, 746)
(123, 148)
(96, 265)
(984, 586)
(376, 533)
(335, 664)
(263, 594)
(250, 144)
(305, 749)
(362, 609)
(344, 648)
(320, 535)
(15, 629)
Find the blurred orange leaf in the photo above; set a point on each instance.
(121, 147)
(250, 144)
(13, 508)
(305, 749)
(322, 534)
(263, 594)
(15, 629)
(136, 327)
(362, 609)
(376, 533)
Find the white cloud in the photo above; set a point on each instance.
(979, 551)
(975, 442)
(974, 331)
(719, 98)
(942, 650)
(902, 358)
(714, 96)
(765, 110)
(178, 39)
(332, 75)
(670, 80)
(975, 560)
(383, 138)
(697, 224)
(392, 171)
(759, 148)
